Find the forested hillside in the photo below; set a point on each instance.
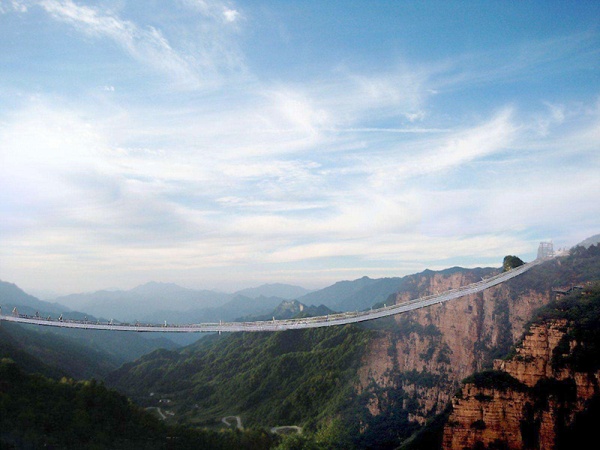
(288, 378)
(10, 348)
(38, 412)
(64, 355)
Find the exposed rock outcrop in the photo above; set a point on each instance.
(431, 350)
(416, 362)
(528, 412)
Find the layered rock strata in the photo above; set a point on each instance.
(428, 352)
(527, 412)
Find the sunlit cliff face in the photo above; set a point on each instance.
(450, 341)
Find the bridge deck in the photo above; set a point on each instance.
(289, 324)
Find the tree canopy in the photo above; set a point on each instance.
(510, 262)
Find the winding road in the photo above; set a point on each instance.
(238, 420)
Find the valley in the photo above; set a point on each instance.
(382, 384)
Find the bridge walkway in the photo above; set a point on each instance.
(280, 325)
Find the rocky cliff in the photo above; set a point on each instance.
(414, 366)
(429, 351)
(532, 399)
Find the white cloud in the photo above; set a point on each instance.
(192, 64)
(463, 147)
(146, 45)
(231, 15)
(318, 111)
(400, 164)
(7, 6)
(296, 111)
(212, 8)
(545, 182)
(404, 87)
(525, 60)
(165, 213)
(563, 131)
(354, 171)
(203, 207)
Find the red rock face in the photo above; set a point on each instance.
(533, 359)
(493, 416)
(449, 341)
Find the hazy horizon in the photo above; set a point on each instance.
(227, 144)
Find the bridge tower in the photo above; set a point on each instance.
(545, 250)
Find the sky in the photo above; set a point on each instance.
(222, 145)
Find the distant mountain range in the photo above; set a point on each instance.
(159, 302)
(118, 346)
(11, 295)
(353, 295)
(290, 309)
(238, 306)
(366, 292)
(167, 301)
(153, 303)
(593, 240)
(283, 291)
(145, 299)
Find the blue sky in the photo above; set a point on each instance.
(229, 144)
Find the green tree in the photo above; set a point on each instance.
(510, 262)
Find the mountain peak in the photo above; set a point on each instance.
(284, 291)
(592, 240)
(154, 286)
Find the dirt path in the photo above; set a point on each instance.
(160, 413)
(238, 420)
(286, 429)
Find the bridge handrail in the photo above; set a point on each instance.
(276, 325)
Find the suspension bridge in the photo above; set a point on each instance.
(277, 325)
